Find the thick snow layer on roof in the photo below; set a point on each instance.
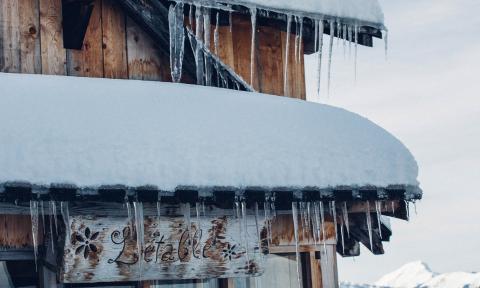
(92, 132)
(360, 10)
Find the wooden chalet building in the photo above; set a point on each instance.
(117, 182)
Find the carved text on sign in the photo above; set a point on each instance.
(102, 249)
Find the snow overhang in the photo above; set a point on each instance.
(67, 133)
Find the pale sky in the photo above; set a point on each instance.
(428, 95)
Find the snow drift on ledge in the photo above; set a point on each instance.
(359, 10)
(419, 275)
(92, 132)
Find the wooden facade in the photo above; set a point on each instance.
(116, 46)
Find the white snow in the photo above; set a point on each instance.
(355, 10)
(418, 274)
(92, 132)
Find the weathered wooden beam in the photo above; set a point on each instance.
(152, 16)
(76, 16)
(16, 254)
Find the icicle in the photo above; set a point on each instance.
(230, 21)
(190, 16)
(287, 48)
(216, 34)
(356, 50)
(43, 217)
(35, 228)
(253, 16)
(330, 55)
(245, 230)
(319, 59)
(415, 207)
(198, 50)
(386, 43)
(177, 40)
(378, 210)
(317, 223)
(344, 32)
(369, 225)
(322, 224)
(198, 207)
(407, 204)
(297, 33)
(315, 43)
(295, 230)
(206, 43)
(66, 218)
(343, 239)
(51, 225)
(345, 218)
(259, 239)
(392, 203)
(309, 220)
(139, 228)
(333, 210)
(300, 41)
(350, 39)
(53, 208)
(339, 29)
(272, 206)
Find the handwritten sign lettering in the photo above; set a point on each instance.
(108, 249)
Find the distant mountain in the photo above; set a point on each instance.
(419, 275)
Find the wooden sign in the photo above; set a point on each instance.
(105, 249)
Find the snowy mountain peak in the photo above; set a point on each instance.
(418, 275)
(409, 275)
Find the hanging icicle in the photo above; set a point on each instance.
(295, 232)
(330, 55)
(253, 16)
(198, 50)
(300, 41)
(345, 218)
(369, 224)
(333, 211)
(216, 35)
(177, 40)
(206, 43)
(35, 228)
(320, 56)
(139, 228)
(356, 50)
(378, 210)
(385, 37)
(64, 210)
(287, 49)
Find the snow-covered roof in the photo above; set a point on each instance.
(93, 132)
(354, 11)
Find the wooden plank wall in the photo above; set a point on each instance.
(31, 41)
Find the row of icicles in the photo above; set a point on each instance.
(308, 219)
(347, 32)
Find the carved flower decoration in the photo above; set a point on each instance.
(86, 242)
(229, 252)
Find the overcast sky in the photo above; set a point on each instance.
(428, 95)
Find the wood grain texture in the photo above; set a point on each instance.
(10, 36)
(16, 232)
(30, 36)
(52, 52)
(145, 62)
(242, 41)
(316, 271)
(105, 249)
(114, 41)
(295, 72)
(270, 55)
(88, 62)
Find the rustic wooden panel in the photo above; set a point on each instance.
(29, 36)
(144, 59)
(242, 42)
(225, 46)
(328, 262)
(88, 62)
(106, 249)
(17, 231)
(295, 73)
(270, 68)
(316, 271)
(52, 51)
(9, 36)
(114, 40)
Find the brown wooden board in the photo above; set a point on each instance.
(145, 62)
(16, 232)
(10, 36)
(52, 51)
(114, 41)
(29, 36)
(105, 249)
